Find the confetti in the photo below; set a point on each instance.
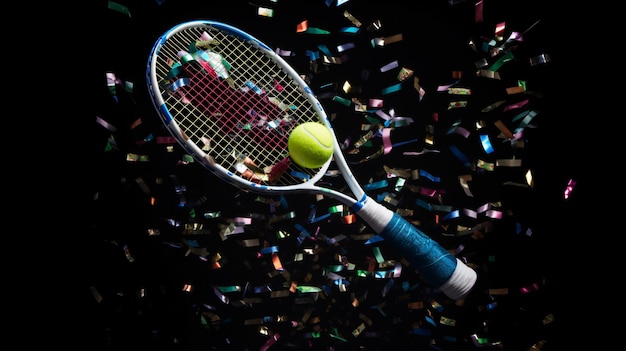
(303, 272)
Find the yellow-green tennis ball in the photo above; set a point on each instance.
(310, 144)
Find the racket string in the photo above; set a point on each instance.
(243, 103)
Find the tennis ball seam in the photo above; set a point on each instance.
(315, 138)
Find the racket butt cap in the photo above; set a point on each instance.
(460, 282)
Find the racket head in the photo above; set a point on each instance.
(231, 103)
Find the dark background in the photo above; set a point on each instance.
(140, 302)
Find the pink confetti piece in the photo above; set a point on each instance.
(387, 146)
(569, 189)
(106, 124)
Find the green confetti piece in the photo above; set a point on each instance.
(129, 86)
(335, 268)
(399, 184)
(362, 273)
(213, 214)
(378, 254)
(227, 289)
(342, 101)
(111, 145)
(187, 158)
(313, 30)
(337, 337)
(308, 289)
(119, 8)
(501, 61)
(335, 209)
(482, 341)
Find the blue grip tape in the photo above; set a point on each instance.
(432, 261)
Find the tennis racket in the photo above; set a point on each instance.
(231, 102)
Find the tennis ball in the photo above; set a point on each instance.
(310, 144)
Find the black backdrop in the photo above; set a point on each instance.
(136, 259)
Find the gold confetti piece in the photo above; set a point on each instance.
(508, 163)
(416, 305)
(493, 106)
(405, 212)
(374, 26)
(548, 319)
(529, 178)
(488, 74)
(447, 321)
(96, 294)
(365, 319)
(418, 87)
(515, 90)
(402, 173)
(429, 139)
(195, 229)
(130, 157)
(459, 91)
(500, 291)
(505, 131)
(436, 305)
(346, 87)
(129, 257)
(358, 330)
(352, 19)
(456, 104)
(537, 346)
(249, 243)
(333, 60)
(406, 73)
(279, 293)
(393, 39)
(463, 180)
(265, 12)
(390, 200)
(254, 321)
(253, 300)
(485, 165)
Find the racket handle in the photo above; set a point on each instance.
(439, 267)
